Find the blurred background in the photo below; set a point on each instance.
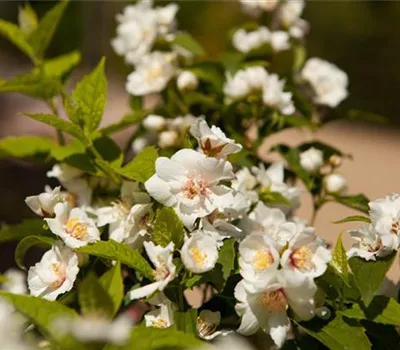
(361, 37)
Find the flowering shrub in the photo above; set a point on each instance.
(191, 203)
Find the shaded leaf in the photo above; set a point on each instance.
(112, 282)
(28, 242)
(227, 257)
(27, 19)
(186, 321)
(187, 42)
(24, 229)
(127, 121)
(168, 228)
(354, 218)
(358, 202)
(357, 115)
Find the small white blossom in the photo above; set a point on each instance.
(95, 328)
(312, 159)
(212, 141)
(329, 83)
(187, 81)
(162, 317)
(168, 138)
(335, 183)
(199, 253)
(154, 122)
(290, 11)
(164, 270)
(152, 74)
(55, 274)
(280, 40)
(44, 203)
(257, 7)
(181, 123)
(189, 182)
(299, 29)
(74, 226)
(245, 183)
(236, 86)
(274, 95)
(15, 282)
(247, 41)
(385, 215)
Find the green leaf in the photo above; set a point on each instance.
(61, 65)
(90, 96)
(126, 122)
(193, 281)
(41, 37)
(186, 321)
(338, 334)
(109, 150)
(14, 34)
(60, 153)
(354, 218)
(168, 228)
(29, 242)
(187, 42)
(227, 257)
(232, 60)
(142, 167)
(121, 252)
(369, 275)
(25, 147)
(3, 279)
(33, 84)
(26, 228)
(210, 72)
(358, 202)
(112, 282)
(150, 338)
(381, 310)
(273, 198)
(339, 260)
(356, 115)
(27, 19)
(43, 313)
(94, 299)
(60, 124)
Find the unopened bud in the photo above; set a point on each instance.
(312, 159)
(187, 81)
(167, 139)
(154, 122)
(335, 161)
(335, 183)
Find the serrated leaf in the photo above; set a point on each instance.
(187, 42)
(90, 96)
(43, 313)
(24, 229)
(25, 147)
(338, 334)
(27, 19)
(168, 228)
(142, 167)
(41, 37)
(17, 37)
(94, 299)
(354, 218)
(358, 202)
(60, 65)
(186, 321)
(369, 275)
(59, 124)
(28, 242)
(381, 310)
(227, 257)
(126, 122)
(112, 282)
(339, 260)
(121, 252)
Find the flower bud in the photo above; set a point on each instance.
(154, 122)
(335, 183)
(167, 138)
(312, 159)
(187, 81)
(138, 144)
(335, 160)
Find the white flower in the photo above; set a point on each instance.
(162, 317)
(181, 123)
(187, 81)
(258, 261)
(168, 138)
(189, 182)
(299, 29)
(328, 81)
(236, 87)
(274, 95)
(245, 183)
(95, 328)
(152, 74)
(199, 253)
(164, 270)
(55, 274)
(154, 122)
(212, 141)
(280, 40)
(15, 282)
(385, 215)
(312, 159)
(44, 203)
(370, 244)
(306, 257)
(290, 11)
(256, 7)
(64, 173)
(74, 226)
(247, 41)
(335, 183)
(266, 308)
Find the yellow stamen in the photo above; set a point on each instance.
(302, 258)
(76, 229)
(59, 271)
(274, 302)
(160, 323)
(262, 259)
(199, 258)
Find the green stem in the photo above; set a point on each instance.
(103, 167)
(54, 110)
(181, 301)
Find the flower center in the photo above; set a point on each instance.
(59, 271)
(76, 229)
(154, 73)
(396, 227)
(301, 258)
(161, 273)
(205, 328)
(208, 148)
(262, 259)
(160, 323)
(122, 207)
(194, 188)
(198, 257)
(273, 302)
